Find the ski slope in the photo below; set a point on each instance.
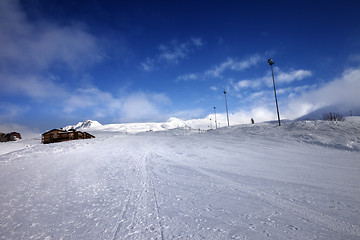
(297, 181)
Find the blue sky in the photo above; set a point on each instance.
(134, 61)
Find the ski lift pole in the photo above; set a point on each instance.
(227, 112)
(271, 62)
(215, 118)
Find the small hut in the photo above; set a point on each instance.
(59, 135)
(6, 137)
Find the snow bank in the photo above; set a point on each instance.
(340, 135)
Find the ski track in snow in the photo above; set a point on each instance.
(197, 186)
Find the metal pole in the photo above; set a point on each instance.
(271, 62)
(215, 118)
(227, 112)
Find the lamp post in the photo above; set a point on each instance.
(271, 62)
(227, 112)
(215, 118)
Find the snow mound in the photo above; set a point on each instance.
(173, 123)
(85, 124)
(331, 134)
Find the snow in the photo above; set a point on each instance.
(133, 128)
(297, 181)
(82, 125)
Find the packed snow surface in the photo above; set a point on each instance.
(261, 181)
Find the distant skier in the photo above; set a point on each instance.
(252, 121)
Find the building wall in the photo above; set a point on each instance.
(61, 136)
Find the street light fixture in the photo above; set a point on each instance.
(215, 118)
(227, 112)
(271, 62)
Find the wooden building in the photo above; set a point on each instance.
(58, 135)
(13, 136)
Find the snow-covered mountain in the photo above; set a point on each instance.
(90, 125)
(82, 125)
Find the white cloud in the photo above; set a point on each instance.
(247, 84)
(175, 51)
(294, 91)
(136, 106)
(148, 65)
(342, 91)
(257, 95)
(213, 88)
(298, 101)
(38, 45)
(172, 53)
(216, 72)
(233, 65)
(28, 50)
(259, 114)
(198, 42)
(187, 77)
(141, 106)
(32, 85)
(288, 77)
(91, 98)
(266, 80)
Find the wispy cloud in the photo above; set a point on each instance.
(254, 84)
(217, 71)
(292, 92)
(288, 77)
(281, 77)
(172, 53)
(148, 65)
(175, 51)
(187, 77)
(233, 65)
